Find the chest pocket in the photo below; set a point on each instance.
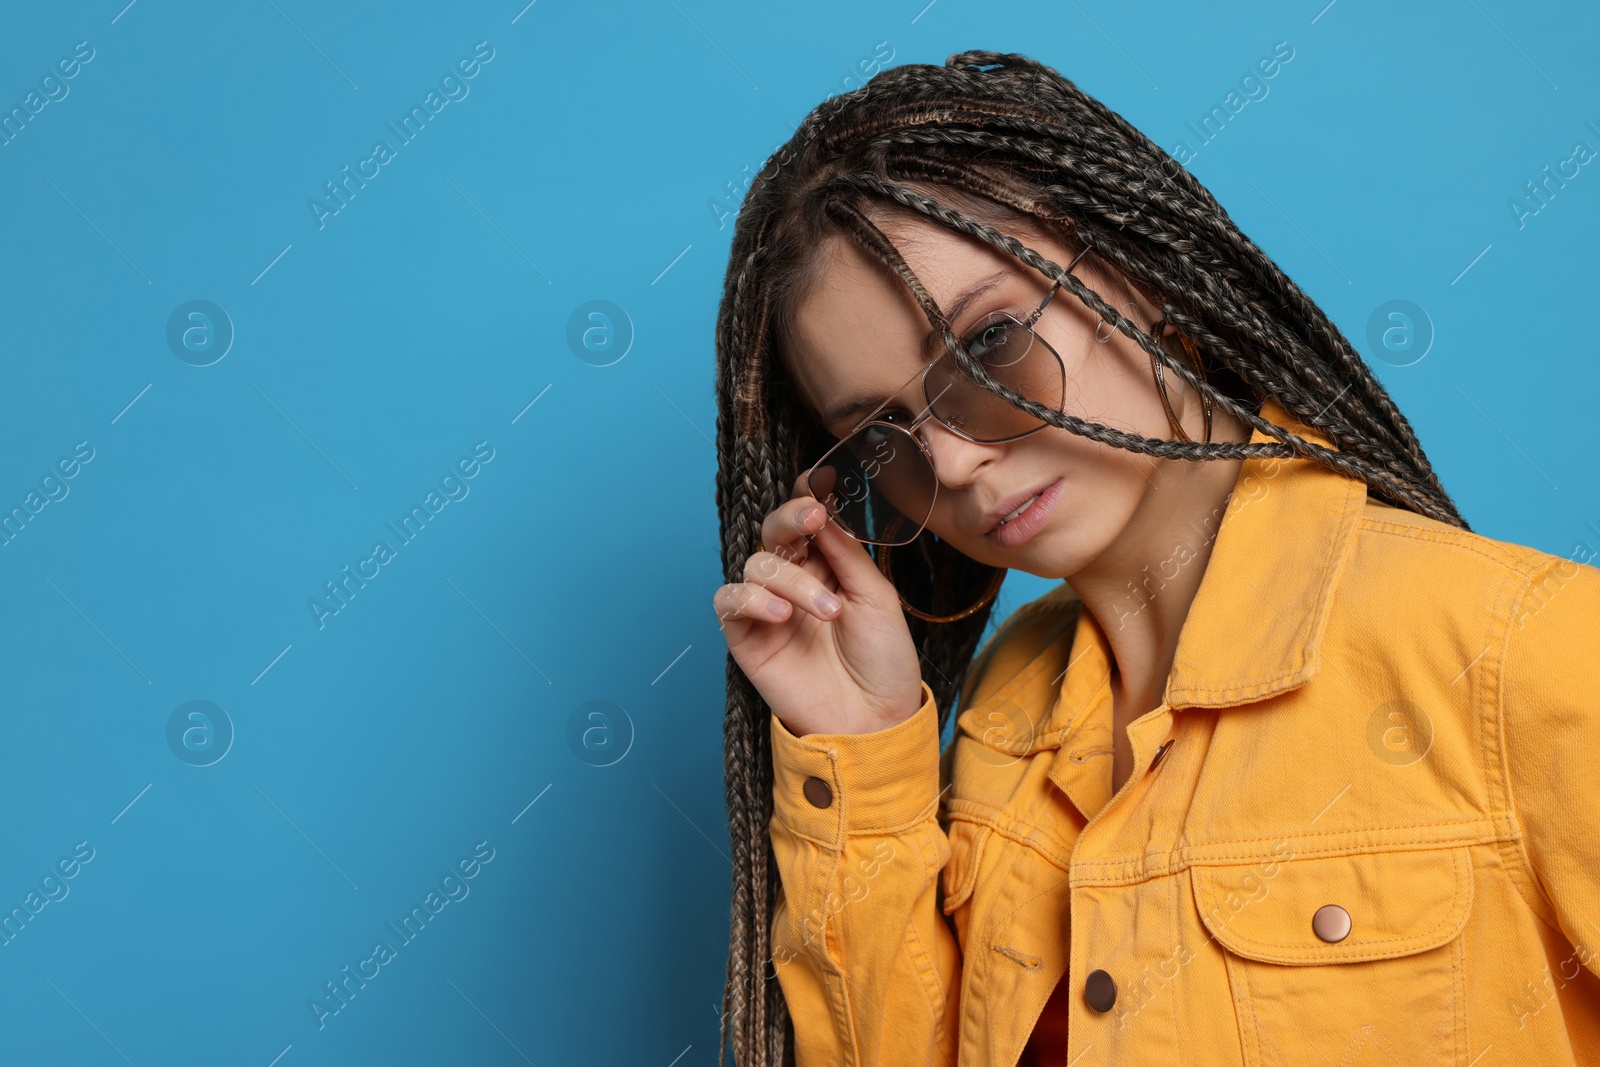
(1353, 960)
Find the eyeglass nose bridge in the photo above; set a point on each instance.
(928, 408)
(927, 411)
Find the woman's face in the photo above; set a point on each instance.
(858, 334)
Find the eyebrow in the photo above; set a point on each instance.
(871, 401)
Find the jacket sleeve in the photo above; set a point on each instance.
(867, 961)
(1552, 735)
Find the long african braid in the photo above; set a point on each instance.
(1016, 144)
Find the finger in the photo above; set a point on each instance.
(840, 549)
(793, 583)
(788, 528)
(856, 571)
(809, 494)
(750, 602)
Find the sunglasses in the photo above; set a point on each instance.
(878, 482)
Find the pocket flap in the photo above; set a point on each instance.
(961, 869)
(1398, 903)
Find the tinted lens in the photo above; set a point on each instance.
(1012, 355)
(877, 484)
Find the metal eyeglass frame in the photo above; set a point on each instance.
(927, 411)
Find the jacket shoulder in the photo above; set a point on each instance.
(1404, 537)
(1450, 589)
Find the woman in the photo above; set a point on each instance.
(1292, 768)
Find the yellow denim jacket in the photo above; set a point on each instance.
(1363, 826)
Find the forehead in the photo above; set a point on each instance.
(857, 330)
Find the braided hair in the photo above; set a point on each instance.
(1018, 145)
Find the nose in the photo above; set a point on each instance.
(956, 460)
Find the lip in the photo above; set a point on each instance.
(1024, 526)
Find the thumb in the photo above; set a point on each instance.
(855, 569)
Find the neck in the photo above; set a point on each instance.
(1140, 589)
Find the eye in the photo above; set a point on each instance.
(998, 341)
(894, 416)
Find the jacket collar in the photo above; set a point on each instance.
(1257, 622)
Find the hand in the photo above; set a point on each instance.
(817, 628)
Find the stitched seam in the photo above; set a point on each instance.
(1546, 905)
(922, 958)
(976, 1037)
(1462, 1034)
(1449, 1024)
(1003, 824)
(1081, 715)
(1493, 755)
(1262, 1036)
(845, 832)
(1141, 868)
(1244, 1011)
(1353, 1049)
(1255, 845)
(1271, 685)
(1518, 563)
(1189, 856)
(835, 981)
(1180, 1020)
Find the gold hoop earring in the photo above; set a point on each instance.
(1192, 354)
(989, 594)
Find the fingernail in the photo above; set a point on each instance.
(807, 514)
(828, 603)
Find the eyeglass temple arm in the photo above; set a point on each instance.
(1051, 295)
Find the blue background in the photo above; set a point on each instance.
(598, 156)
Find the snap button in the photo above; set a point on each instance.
(1100, 991)
(1331, 923)
(1161, 753)
(817, 791)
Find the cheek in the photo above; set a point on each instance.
(1104, 488)
(1111, 383)
(1104, 483)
